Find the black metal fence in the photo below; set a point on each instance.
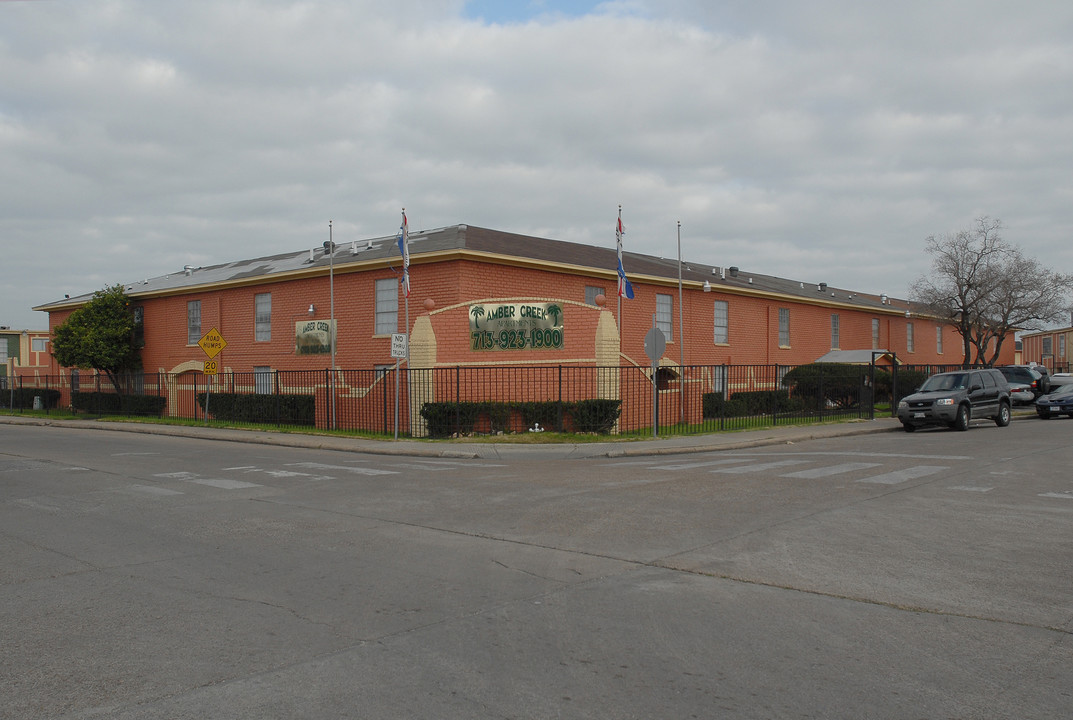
(464, 400)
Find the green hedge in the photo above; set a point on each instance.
(256, 408)
(444, 419)
(745, 404)
(824, 385)
(115, 404)
(24, 398)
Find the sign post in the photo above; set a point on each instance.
(400, 348)
(213, 344)
(655, 345)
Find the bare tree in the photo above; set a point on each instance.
(987, 289)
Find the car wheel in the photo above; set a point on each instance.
(1003, 417)
(908, 428)
(962, 422)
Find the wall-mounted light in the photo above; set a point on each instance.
(312, 309)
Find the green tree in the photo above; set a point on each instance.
(99, 336)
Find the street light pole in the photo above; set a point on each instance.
(330, 248)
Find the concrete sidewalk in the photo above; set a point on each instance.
(491, 450)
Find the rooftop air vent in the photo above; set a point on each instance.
(733, 271)
(822, 287)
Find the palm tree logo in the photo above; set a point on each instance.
(555, 311)
(476, 311)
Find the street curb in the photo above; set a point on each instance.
(676, 445)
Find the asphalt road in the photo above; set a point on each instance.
(877, 576)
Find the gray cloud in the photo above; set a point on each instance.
(817, 142)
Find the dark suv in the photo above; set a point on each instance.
(955, 398)
(1027, 375)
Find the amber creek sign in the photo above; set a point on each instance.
(515, 326)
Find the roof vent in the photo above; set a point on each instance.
(310, 255)
(750, 281)
(733, 271)
(354, 248)
(822, 287)
(188, 269)
(883, 299)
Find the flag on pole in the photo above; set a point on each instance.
(404, 249)
(625, 289)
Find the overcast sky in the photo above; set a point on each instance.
(818, 141)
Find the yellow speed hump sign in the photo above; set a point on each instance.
(212, 343)
(210, 368)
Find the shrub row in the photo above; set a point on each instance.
(584, 416)
(115, 404)
(254, 408)
(24, 397)
(743, 404)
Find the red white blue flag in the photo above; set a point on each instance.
(625, 289)
(404, 249)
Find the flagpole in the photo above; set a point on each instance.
(406, 294)
(681, 336)
(618, 243)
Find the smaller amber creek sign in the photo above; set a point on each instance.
(516, 326)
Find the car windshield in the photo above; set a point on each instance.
(955, 381)
(1061, 391)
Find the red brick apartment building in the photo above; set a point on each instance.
(1050, 348)
(483, 297)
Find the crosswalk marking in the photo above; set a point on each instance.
(759, 467)
(830, 470)
(695, 465)
(900, 476)
(153, 490)
(346, 468)
(223, 483)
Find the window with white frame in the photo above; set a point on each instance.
(262, 380)
(784, 327)
(39, 344)
(939, 339)
(193, 322)
(910, 343)
(722, 322)
(665, 315)
(591, 291)
(1062, 346)
(1048, 346)
(262, 317)
(387, 307)
(834, 331)
(875, 333)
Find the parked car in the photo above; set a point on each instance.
(1023, 374)
(1061, 379)
(1059, 402)
(955, 398)
(1021, 394)
(1044, 377)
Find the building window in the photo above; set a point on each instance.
(784, 327)
(3, 350)
(939, 339)
(664, 315)
(591, 292)
(139, 327)
(38, 344)
(1062, 346)
(834, 332)
(262, 317)
(1048, 346)
(262, 380)
(193, 322)
(875, 333)
(387, 307)
(722, 322)
(909, 342)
